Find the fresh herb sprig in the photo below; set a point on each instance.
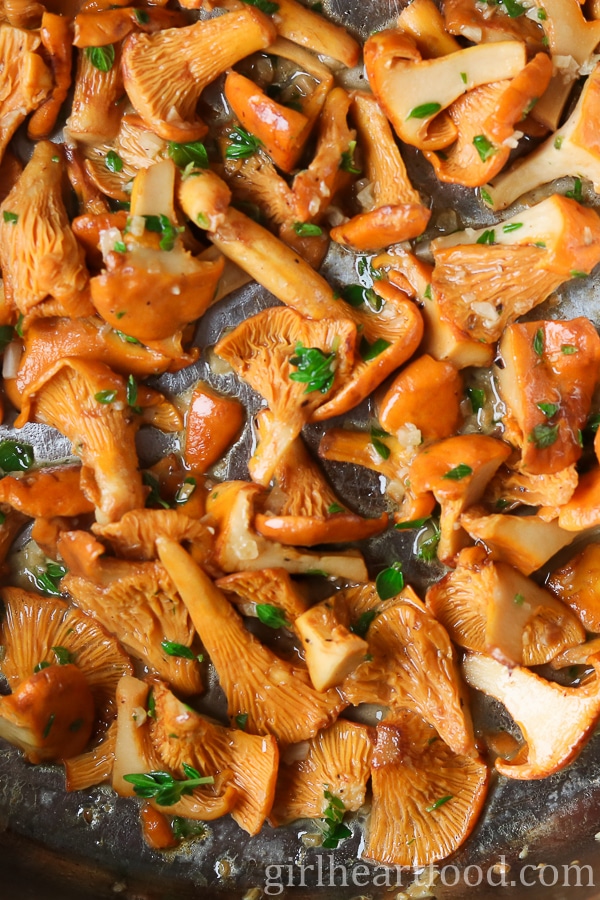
(315, 369)
(335, 831)
(166, 790)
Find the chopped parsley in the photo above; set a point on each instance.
(477, 398)
(271, 615)
(142, 16)
(264, 5)
(439, 803)
(511, 226)
(307, 229)
(243, 144)
(382, 449)
(335, 831)
(458, 472)
(372, 351)
(390, 581)
(488, 237)
(241, 720)
(113, 162)
(15, 456)
(347, 163)
(363, 623)
(577, 191)
(543, 436)
(484, 147)
(102, 58)
(172, 648)
(424, 111)
(549, 409)
(183, 154)
(539, 342)
(315, 369)
(11, 218)
(335, 508)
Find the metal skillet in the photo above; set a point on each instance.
(535, 839)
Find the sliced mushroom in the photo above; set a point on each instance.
(182, 735)
(555, 721)
(42, 263)
(331, 650)
(93, 766)
(483, 288)
(311, 512)
(56, 35)
(456, 471)
(136, 601)
(155, 81)
(424, 22)
(27, 81)
(46, 492)
(336, 760)
(96, 112)
(266, 351)
(511, 488)
(583, 509)
(525, 542)
(576, 584)
(275, 695)
(426, 797)
(212, 424)
(74, 393)
(239, 548)
(134, 535)
(547, 382)
(306, 27)
(464, 18)
(272, 587)
(489, 607)
(414, 667)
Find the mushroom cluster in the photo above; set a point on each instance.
(212, 143)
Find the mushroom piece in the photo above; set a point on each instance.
(426, 797)
(136, 602)
(486, 279)
(56, 35)
(27, 81)
(414, 667)
(271, 587)
(456, 471)
(423, 21)
(96, 112)
(555, 721)
(510, 488)
(134, 535)
(441, 338)
(274, 694)
(182, 735)
(99, 27)
(576, 656)
(427, 394)
(583, 509)
(576, 584)
(239, 548)
(153, 288)
(388, 338)
(42, 263)
(41, 632)
(464, 18)
(485, 120)
(331, 650)
(525, 542)
(49, 715)
(571, 149)
(547, 383)
(415, 92)
(397, 213)
(87, 403)
(490, 607)
(335, 761)
(295, 364)
(85, 770)
(152, 67)
(310, 512)
(137, 754)
(306, 27)
(46, 492)
(213, 423)
(10, 170)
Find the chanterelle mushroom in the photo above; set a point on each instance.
(576, 584)
(555, 720)
(487, 278)
(426, 798)
(42, 263)
(547, 382)
(165, 73)
(295, 364)
(152, 287)
(275, 695)
(26, 80)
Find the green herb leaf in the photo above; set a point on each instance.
(577, 192)
(424, 111)
(271, 615)
(186, 490)
(484, 147)
(113, 162)
(347, 163)
(567, 349)
(40, 666)
(463, 77)
(151, 708)
(7, 332)
(15, 456)
(183, 829)
(519, 599)
(307, 229)
(49, 725)
(131, 394)
(105, 396)
(428, 544)
(241, 720)
(184, 154)
(172, 648)
(101, 58)
(63, 656)
(511, 226)
(357, 295)
(486, 197)
(415, 523)
(372, 351)
(558, 142)
(47, 579)
(488, 237)
(542, 15)
(153, 498)
(549, 409)
(543, 436)
(264, 5)
(243, 144)
(439, 803)
(142, 16)
(477, 398)
(126, 337)
(514, 8)
(334, 830)
(11, 218)
(458, 472)
(163, 788)
(120, 247)
(578, 273)
(538, 342)
(427, 293)
(362, 624)
(315, 369)
(335, 508)
(390, 582)
(382, 449)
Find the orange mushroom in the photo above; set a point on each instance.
(576, 584)
(269, 586)
(95, 112)
(426, 797)
(46, 492)
(27, 81)
(94, 766)
(555, 721)
(583, 509)
(56, 35)
(213, 423)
